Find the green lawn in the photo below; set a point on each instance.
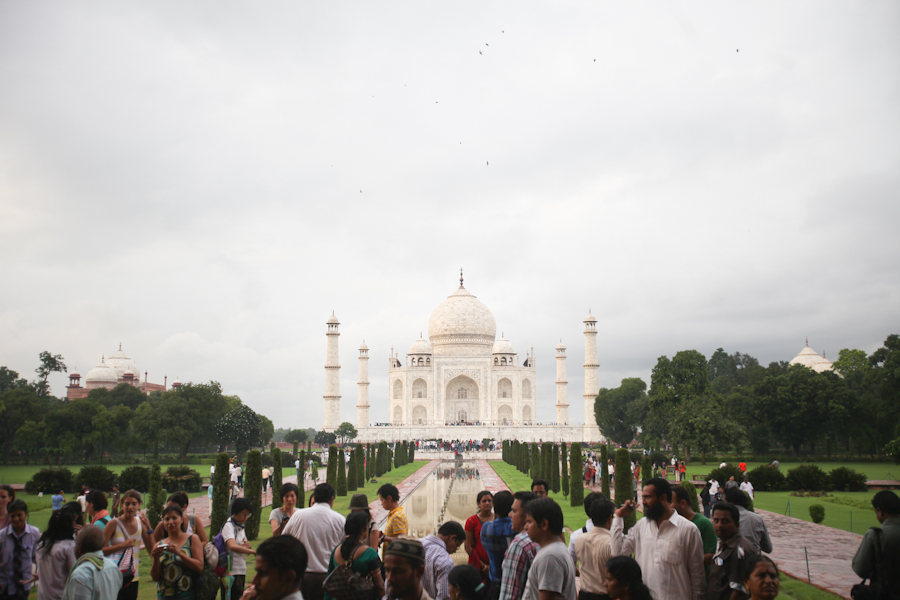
(872, 470)
(836, 515)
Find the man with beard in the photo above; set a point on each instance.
(667, 546)
(404, 565)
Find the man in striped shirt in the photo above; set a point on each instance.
(520, 553)
(438, 563)
(396, 522)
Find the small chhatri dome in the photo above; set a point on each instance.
(102, 373)
(560, 346)
(502, 346)
(333, 320)
(590, 318)
(363, 346)
(421, 346)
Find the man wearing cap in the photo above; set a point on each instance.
(404, 565)
(360, 502)
(438, 563)
(320, 529)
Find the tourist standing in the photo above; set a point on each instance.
(123, 536)
(705, 500)
(539, 488)
(56, 502)
(552, 571)
(7, 495)
(320, 529)
(55, 555)
(397, 524)
(93, 577)
(624, 580)
(747, 487)
(521, 552)
(438, 563)
(355, 549)
(879, 552)
(279, 517)
(652, 539)
(464, 583)
(478, 557)
(18, 541)
(681, 502)
(495, 538)
(761, 578)
(752, 525)
(188, 522)
(280, 567)
(179, 556)
(360, 503)
(238, 545)
(731, 484)
(726, 577)
(593, 550)
(404, 564)
(588, 525)
(714, 491)
(96, 504)
(265, 478)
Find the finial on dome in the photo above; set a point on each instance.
(120, 346)
(460, 277)
(807, 341)
(103, 358)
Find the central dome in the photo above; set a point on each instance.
(462, 318)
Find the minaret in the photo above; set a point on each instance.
(332, 377)
(591, 379)
(562, 393)
(362, 392)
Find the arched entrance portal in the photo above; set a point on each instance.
(462, 400)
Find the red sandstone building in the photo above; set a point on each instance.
(112, 371)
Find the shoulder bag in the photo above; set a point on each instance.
(345, 584)
(871, 590)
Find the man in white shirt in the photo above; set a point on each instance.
(713, 489)
(320, 529)
(667, 546)
(588, 500)
(746, 486)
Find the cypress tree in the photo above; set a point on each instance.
(390, 459)
(536, 462)
(381, 459)
(547, 464)
(331, 475)
(396, 461)
(624, 484)
(296, 450)
(564, 463)
(352, 477)
(360, 466)
(412, 451)
(646, 470)
(576, 498)
(604, 470)
(221, 495)
(554, 469)
(276, 478)
(341, 473)
(526, 459)
(301, 480)
(155, 495)
(253, 493)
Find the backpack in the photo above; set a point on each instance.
(207, 582)
(222, 565)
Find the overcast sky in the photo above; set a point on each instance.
(206, 181)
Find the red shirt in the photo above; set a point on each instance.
(742, 467)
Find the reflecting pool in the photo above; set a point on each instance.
(449, 493)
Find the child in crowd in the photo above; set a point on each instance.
(18, 543)
(238, 546)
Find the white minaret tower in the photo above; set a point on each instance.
(591, 379)
(362, 392)
(562, 392)
(332, 377)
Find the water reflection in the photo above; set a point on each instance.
(449, 493)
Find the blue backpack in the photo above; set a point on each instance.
(222, 566)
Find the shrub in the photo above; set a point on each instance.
(50, 481)
(576, 483)
(155, 498)
(692, 495)
(647, 472)
(253, 492)
(564, 476)
(808, 477)
(844, 479)
(604, 470)
(135, 478)
(178, 478)
(331, 476)
(721, 475)
(351, 470)
(361, 463)
(624, 484)
(554, 468)
(766, 479)
(222, 494)
(276, 478)
(95, 477)
(817, 512)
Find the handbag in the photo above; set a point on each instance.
(127, 576)
(345, 584)
(206, 583)
(871, 590)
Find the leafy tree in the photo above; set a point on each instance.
(624, 484)
(241, 427)
(851, 363)
(647, 470)
(190, 414)
(564, 462)
(673, 382)
(29, 437)
(325, 438)
(276, 477)
(620, 411)
(296, 436)
(883, 402)
(222, 494)
(155, 496)
(577, 496)
(700, 422)
(50, 363)
(253, 492)
(10, 380)
(22, 405)
(346, 432)
(266, 431)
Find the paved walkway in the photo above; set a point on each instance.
(405, 487)
(831, 552)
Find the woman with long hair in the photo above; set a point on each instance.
(355, 549)
(478, 556)
(464, 583)
(624, 580)
(188, 524)
(289, 493)
(95, 507)
(7, 495)
(123, 536)
(55, 555)
(761, 578)
(176, 558)
(74, 508)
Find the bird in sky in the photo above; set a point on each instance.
(487, 45)
(480, 52)
(738, 50)
(488, 162)
(504, 31)
(595, 60)
(360, 191)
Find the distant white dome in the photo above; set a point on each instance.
(102, 373)
(502, 346)
(590, 319)
(333, 320)
(560, 346)
(807, 357)
(460, 317)
(363, 346)
(120, 363)
(421, 346)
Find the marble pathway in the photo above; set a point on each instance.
(405, 487)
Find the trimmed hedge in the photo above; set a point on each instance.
(276, 478)
(253, 492)
(808, 477)
(135, 478)
(844, 479)
(624, 484)
(155, 497)
(692, 495)
(181, 478)
(95, 477)
(222, 494)
(50, 481)
(722, 474)
(767, 479)
(817, 512)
